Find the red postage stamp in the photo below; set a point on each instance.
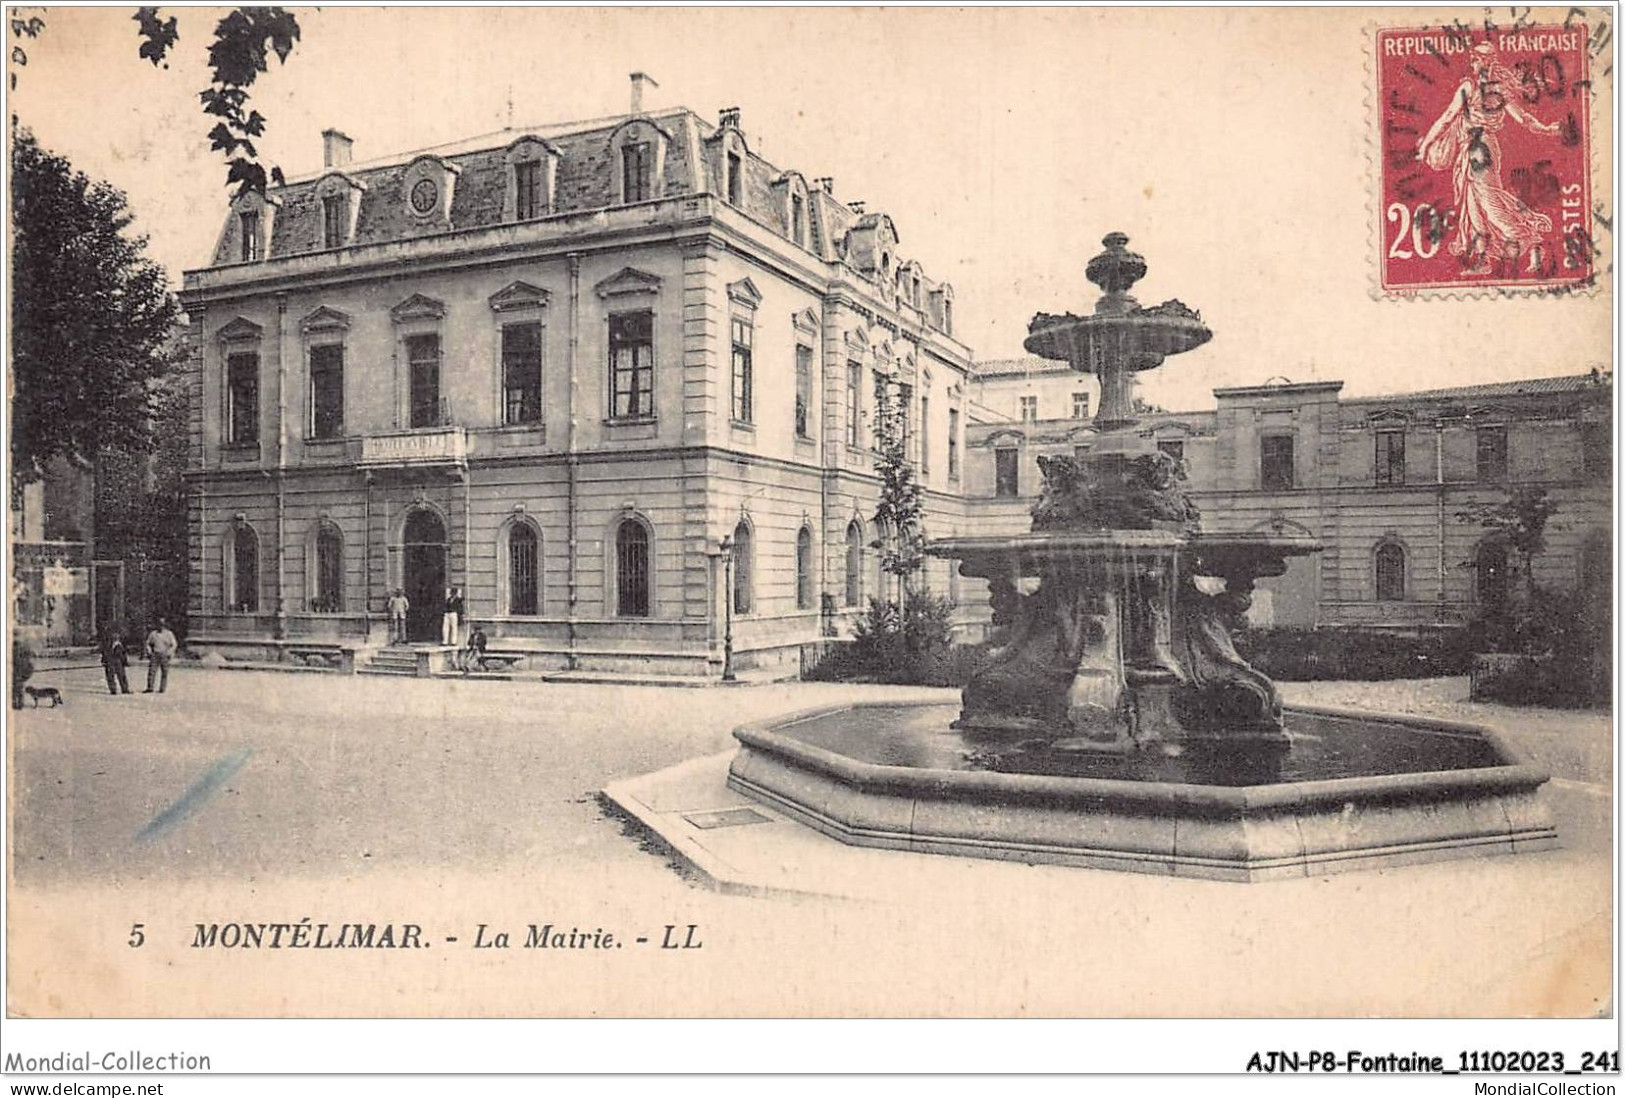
(1485, 158)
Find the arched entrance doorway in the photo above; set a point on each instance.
(423, 573)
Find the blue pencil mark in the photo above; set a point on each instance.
(212, 779)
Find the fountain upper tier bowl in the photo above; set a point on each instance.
(1138, 339)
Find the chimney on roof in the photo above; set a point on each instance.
(728, 117)
(856, 205)
(336, 149)
(826, 183)
(639, 81)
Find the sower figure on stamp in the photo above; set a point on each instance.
(115, 658)
(452, 616)
(398, 606)
(1492, 223)
(161, 645)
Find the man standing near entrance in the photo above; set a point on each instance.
(453, 614)
(398, 606)
(114, 658)
(161, 645)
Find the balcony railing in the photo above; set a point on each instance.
(425, 446)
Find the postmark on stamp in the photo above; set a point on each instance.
(1485, 158)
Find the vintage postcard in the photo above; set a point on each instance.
(531, 513)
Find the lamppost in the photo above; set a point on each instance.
(727, 548)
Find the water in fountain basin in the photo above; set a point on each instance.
(1323, 748)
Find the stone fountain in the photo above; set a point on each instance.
(1115, 725)
(1125, 641)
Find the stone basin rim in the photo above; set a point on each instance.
(1513, 775)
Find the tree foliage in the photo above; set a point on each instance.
(91, 317)
(1520, 521)
(901, 507)
(22, 27)
(241, 50)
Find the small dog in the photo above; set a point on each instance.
(49, 693)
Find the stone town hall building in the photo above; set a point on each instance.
(558, 371)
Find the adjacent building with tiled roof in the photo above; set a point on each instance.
(1380, 480)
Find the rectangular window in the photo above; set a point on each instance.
(635, 175)
(854, 403)
(953, 443)
(423, 364)
(735, 171)
(947, 317)
(925, 434)
(1596, 451)
(1492, 454)
(1080, 405)
(1007, 473)
(522, 373)
(875, 425)
(1276, 465)
(243, 399)
(527, 177)
(798, 219)
(327, 390)
(744, 337)
(1173, 447)
(252, 245)
(804, 391)
(1390, 458)
(335, 218)
(1029, 409)
(632, 365)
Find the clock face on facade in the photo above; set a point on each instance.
(423, 196)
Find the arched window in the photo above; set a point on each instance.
(742, 568)
(1493, 579)
(1390, 567)
(243, 555)
(632, 569)
(804, 565)
(854, 564)
(523, 587)
(884, 541)
(327, 593)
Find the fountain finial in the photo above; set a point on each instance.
(1116, 269)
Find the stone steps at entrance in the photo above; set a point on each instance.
(402, 660)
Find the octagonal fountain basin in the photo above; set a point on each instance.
(1353, 791)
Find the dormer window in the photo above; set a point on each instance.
(735, 174)
(947, 316)
(528, 201)
(253, 243)
(335, 220)
(636, 167)
(798, 220)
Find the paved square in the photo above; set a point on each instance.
(253, 797)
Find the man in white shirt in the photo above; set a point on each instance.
(161, 646)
